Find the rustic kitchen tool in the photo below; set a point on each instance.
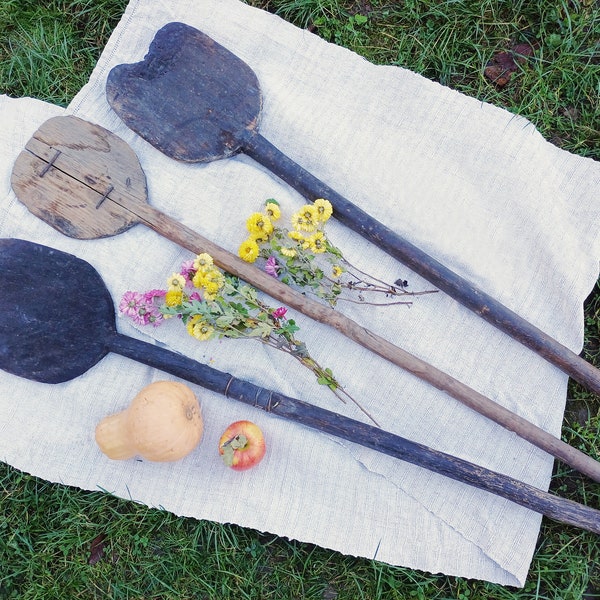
(196, 101)
(88, 183)
(57, 321)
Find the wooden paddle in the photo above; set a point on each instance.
(57, 321)
(196, 101)
(88, 183)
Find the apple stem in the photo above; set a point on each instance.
(239, 442)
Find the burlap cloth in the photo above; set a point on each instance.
(475, 186)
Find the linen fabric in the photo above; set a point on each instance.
(475, 186)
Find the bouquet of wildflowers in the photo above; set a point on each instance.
(213, 304)
(302, 256)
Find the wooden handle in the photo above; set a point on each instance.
(554, 507)
(421, 263)
(193, 241)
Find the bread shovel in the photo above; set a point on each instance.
(57, 321)
(88, 183)
(195, 101)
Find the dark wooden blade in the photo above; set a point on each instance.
(56, 314)
(190, 97)
(57, 321)
(196, 101)
(76, 176)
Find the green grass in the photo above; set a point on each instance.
(452, 41)
(47, 50)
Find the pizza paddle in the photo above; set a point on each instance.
(87, 183)
(57, 321)
(195, 101)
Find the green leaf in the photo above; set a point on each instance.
(248, 292)
(227, 455)
(224, 321)
(261, 330)
(239, 442)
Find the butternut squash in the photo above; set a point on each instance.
(163, 423)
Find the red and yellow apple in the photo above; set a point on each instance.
(242, 445)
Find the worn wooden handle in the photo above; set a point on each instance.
(193, 241)
(476, 300)
(554, 507)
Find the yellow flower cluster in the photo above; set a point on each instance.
(175, 285)
(260, 227)
(307, 230)
(308, 225)
(207, 277)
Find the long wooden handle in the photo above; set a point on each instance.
(193, 241)
(426, 266)
(554, 507)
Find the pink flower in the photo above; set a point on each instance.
(271, 266)
(130, 303)
(140, 308)
(153, 317)
(188, 270)
(279, 313)
(195, 296)
(152, 294)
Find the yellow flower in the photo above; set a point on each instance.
(212, 288)
(210, 280)
(214, 276)
(174, 296)
(248, 250)
(290, 252)
(273, 211)
(191, 322)
(197, 328)
(296, 236)
(324, 209)
(317, 242)
(337, 271)
(257, 223)
(306, 218)
(176, 281)
(259, 238)
(203, 262)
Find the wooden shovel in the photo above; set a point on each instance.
(196, 101)
(87, 183)
(63, 300)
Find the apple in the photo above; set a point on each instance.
(242, 445)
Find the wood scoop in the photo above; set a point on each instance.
(87, 183)
(49, 334)
(196, 101)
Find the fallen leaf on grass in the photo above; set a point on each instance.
(500, 68)
(96, 549)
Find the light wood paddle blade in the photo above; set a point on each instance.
(67, 171)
